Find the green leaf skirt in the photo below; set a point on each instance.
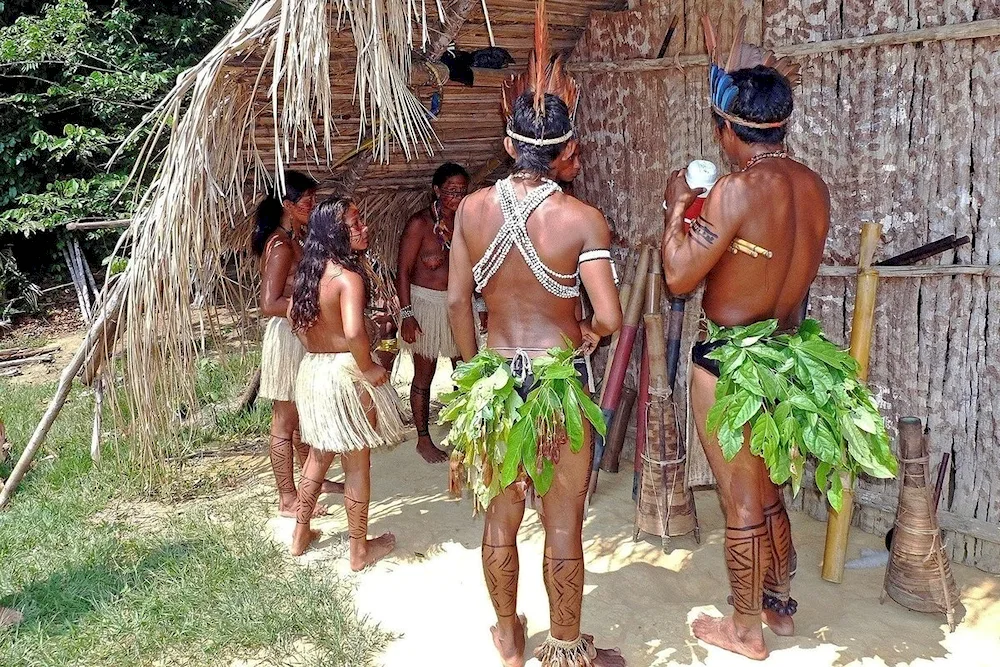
(797, 394)
(501, 430)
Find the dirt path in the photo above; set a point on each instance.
(431, 590)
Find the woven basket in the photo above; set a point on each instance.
(918, 575)
(665, 506)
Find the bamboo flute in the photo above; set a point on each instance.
(838, 524)
(612, 391)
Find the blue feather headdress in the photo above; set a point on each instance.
(722, 88)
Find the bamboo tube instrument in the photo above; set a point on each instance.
(838, 524)
(611, 393)
(654, 291)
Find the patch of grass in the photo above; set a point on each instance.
(202, 587)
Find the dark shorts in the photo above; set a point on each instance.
(698, 352)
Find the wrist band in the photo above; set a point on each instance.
(405, 312)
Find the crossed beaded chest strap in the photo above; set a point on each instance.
(514, 232)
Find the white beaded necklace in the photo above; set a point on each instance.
(514, 232)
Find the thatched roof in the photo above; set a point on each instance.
(347, 106)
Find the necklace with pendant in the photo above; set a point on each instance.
(440, 231)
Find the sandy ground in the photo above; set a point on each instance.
(430, 592)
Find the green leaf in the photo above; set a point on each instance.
(590, 409)
(822, 472)
(746, 377)
(799, 400)
(732, 364)
(860, 448)
(826, 353)
(798, 469)
(768, 383)
(864, 421)
(809, 328)
(745, 408)
(731, 440)
(836, 493)
(542, 479)
(717, 413)
(574, 420)
(511, 459)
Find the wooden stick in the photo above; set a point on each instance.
(97, 224)
(59, 399)
(954, 32)
(10, 372)
(249, 395)
(838, 524)
(95, 436)
(84, 312)
(933, 271)
(925, 251)
(26, 361)
(22, 352)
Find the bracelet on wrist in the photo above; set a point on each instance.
(405, 312)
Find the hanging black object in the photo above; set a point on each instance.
(460, 63)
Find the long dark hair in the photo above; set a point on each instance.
(329, 239)
(270, 210)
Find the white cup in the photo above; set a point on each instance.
(701, 174)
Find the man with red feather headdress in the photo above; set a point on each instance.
(520, 410)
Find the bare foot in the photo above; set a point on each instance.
(724, 633)
(783, 626)
(511, 647)
(303, 537)
(289, 509)
(372, 551)
(330, 486)
(606, 657)
(430, 453)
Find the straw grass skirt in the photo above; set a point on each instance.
(279, 364)
(331, 415)
(430, 309)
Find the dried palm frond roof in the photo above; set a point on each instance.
(329, 87)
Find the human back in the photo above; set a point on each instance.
(785, 209)
(523, 313)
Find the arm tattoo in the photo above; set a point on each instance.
(702, 233)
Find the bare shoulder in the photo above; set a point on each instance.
(583, 214)
(417, 222)
(278, 245)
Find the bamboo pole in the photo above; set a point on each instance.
(654, 292)
(59, 399)
(931, 271)
(838, 524)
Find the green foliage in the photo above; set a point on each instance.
(77, 78)
(499, 435)
(800, 396)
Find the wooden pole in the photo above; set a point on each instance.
(59, 399)
(952, 32)
(95, 436)
(838, 524)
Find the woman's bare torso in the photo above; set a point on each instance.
(431, 268)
